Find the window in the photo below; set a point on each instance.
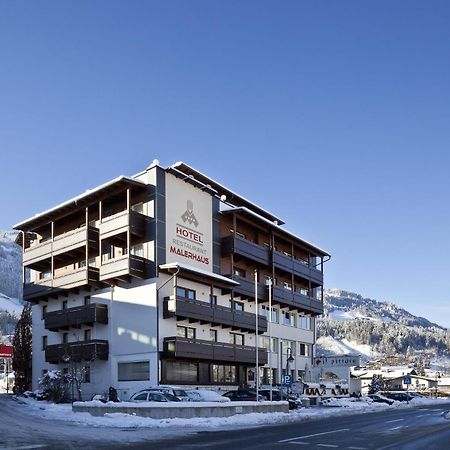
(236, 339)
(303, 291)
(87, 334)
(264, 341)
(185, 293)
(86, 374)
(186, 332)
(267, 280)
(65, 338)
(44, 311)
(142, 397)
(134, 371)
(287, 285)
(137, 250)
(288, 318)
(64, 304)
(237, 306)
(239, 272)
(223, 373)
(304, 322)
(138, 207)
(274, 345)
(213, 335)
(213, 299)
(87, 300)
(44, 342)
(45, 275)
(180, 372)
(304, 349)
(265, 311)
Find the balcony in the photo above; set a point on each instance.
(247, 249)
(138, 224)
(296, 300)
(178, 347)
(246, 288)
(77, 351)
(203, 312)
(297, 267)
(126, 266)
(66, 280)
(75, 317)
(63, 243)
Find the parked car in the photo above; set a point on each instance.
(278, 395)
(400, 396)
(181, 394)
(153, 396)
(204, 395)
(242, 395)
(378, 398)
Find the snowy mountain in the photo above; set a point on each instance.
(11, 304)
(10, 265)
(374, 329)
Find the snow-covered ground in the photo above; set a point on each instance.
(11, 305)
(331, 345)
(64, 412)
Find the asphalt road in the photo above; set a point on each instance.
(411, 429)
(417, 428)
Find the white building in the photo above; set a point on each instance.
(151, 279)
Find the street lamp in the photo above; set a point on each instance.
(67, 359)
(289, 361)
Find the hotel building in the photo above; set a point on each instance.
(165, 278)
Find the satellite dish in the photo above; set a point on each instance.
(223, 198)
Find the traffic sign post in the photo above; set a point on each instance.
(407, 381)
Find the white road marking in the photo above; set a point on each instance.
(29, 447)
(423, 415)
(396, 428)
(396, 420)
(327, 445)
(316, 434)
(357, 448)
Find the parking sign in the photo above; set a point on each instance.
(287, 380)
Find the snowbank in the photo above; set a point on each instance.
(64, 412)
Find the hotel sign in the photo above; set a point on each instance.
(188, 224)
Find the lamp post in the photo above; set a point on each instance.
(68, 360)
(270, 336)
(289, 361)
(256, 343)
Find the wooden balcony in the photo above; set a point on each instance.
(297, 267)
(77, 351)
(138, 224)
(195, 310)
(243, 247)
(126, 266)
(178, 347)
(77, 316)
(63, 243)
(297, 301)
(78, 278)
(246, 288)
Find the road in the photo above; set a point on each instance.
(416, 428)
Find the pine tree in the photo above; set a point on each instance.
(22, 351)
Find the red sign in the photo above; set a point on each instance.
(6, 351)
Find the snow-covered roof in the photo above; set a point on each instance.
(200, 272)
(242, 209)
(223, 190)
(46, 215)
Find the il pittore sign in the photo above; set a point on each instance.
(336, 361)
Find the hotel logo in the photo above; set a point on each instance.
(188, 215)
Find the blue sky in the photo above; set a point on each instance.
(333, 115)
